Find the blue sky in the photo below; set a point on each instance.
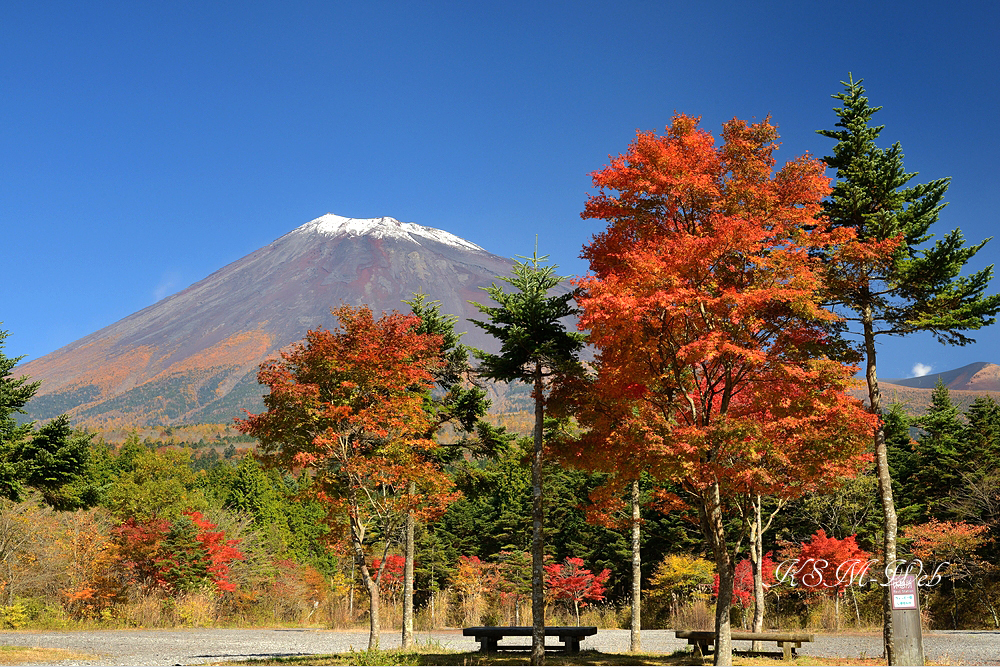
(146, 144)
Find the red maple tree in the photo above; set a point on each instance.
(139, 544)
(346, 406)
(219, 552)
(743, 580)
(704, 305)
(570, 580)
(392, 573)
(829, 566)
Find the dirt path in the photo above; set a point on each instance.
(199, 646)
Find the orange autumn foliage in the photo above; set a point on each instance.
(347, 407)
(704, 306)
(714, 364)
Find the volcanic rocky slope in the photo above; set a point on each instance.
(193, 357)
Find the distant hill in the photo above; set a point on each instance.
(192, 357)
(965, 384)
(980, 376)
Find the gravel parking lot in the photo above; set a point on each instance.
(199, 646)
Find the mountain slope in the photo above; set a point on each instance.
(193, 356)
(980, 376)
(965, 384)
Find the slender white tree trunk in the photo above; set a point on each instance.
(635, 636)
(407, 639)
(537, 531)
(889, 525)
(715, 534)
(756, 563)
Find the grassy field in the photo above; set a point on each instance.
(20, 655)
(439, 657)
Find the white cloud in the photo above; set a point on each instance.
(167, 285)
(920, 370)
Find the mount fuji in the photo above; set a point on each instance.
(192, 357)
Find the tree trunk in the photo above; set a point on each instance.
(889, 524)
(635, 639)
(374, 595)
(407, 639)
(350, 593)
(537, 535)
(715, 535)
(371, 584)
(836, 611)
(374, 622)
(756, 562)
(954, 610)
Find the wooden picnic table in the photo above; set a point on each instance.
(704, 640)
(490, 636)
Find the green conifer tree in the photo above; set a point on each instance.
(981, 441)
(52, 459)
(535, 345)
(902, 460)
(454, 402)
(14, 395)
(183, 565)
(55, 461)
(938, 457)
(920, 288)
(251, 492)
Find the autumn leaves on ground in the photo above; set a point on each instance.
(710, 439)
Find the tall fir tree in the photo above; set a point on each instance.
(918, 288)
(52, 459)
(535, 345)
(454, 401)
(982, 434)
(902, 459)
(15, 392)
(938, 464)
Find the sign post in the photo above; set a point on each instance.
(907, 641)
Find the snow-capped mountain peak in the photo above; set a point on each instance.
(336, 225)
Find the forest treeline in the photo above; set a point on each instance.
(148, 552)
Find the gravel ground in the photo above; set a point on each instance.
(193, 647)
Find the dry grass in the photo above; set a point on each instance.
(21, 655)
(436, 656)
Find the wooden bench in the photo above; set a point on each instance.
(703, 640)
(490, 636)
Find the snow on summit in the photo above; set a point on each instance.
(335, 225)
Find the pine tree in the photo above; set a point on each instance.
(534, 345)
(981, 441)
(918, 288)
(251, 492)
(902, 461)
(14, 395)
(182, 564)
(453, 402)
(939, 464)
(52, 459)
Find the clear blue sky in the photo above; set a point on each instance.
(146, 144)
